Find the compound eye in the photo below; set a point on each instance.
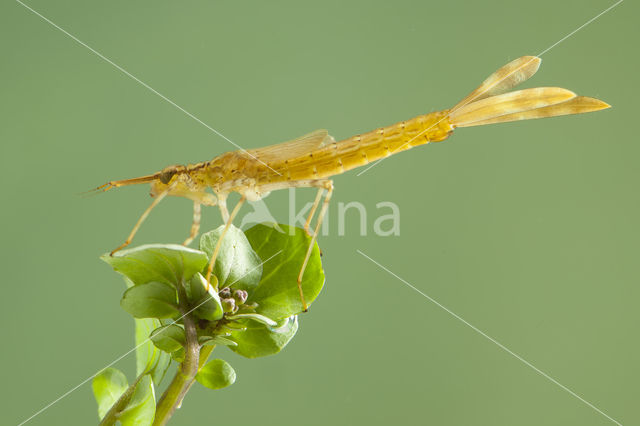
(166, 175)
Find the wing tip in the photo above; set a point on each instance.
(593, 104)
(534, 60)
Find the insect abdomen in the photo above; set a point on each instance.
(359, 150)
(385, 141)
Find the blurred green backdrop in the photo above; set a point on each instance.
(528, 231)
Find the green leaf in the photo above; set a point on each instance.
(150, 359)
(165, 263)
(178, 356)
(216, 374)
(168, 338)
(256, 317)
(108, 387)
(151, 300)
(259, 340)
(141, 409)
(277, 294)
(207, 302)
(216, 340)
(237, 265)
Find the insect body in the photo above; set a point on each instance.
(311, 160)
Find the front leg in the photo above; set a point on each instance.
(142, 218)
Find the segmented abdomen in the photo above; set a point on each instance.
(360, 150)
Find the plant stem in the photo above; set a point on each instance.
(204, 356)
(186, 374)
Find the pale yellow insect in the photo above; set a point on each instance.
(310, 160)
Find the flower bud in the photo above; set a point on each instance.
(240, 296)
(225, 293)
(228, 305)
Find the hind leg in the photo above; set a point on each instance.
(322, 185)
(328, 185)
(314, 207)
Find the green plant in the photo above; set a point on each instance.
(251, 307)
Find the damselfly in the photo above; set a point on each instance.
(312, 159)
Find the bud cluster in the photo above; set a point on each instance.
(234, 300)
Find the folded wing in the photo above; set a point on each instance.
(294, 148)
(488, 104)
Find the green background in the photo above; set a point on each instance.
(529, 231)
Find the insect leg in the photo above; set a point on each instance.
(222, 205)
(195, 226)
(216, 250)
(313, 210)
(142, 219)
(328, 185)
